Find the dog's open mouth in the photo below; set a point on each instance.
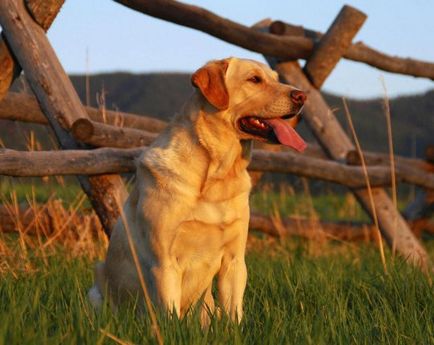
(275, 130)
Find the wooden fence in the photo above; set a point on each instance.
(96, 151)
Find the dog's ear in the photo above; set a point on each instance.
(210, 80)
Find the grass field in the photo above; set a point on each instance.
(266, 200)
(298, 292)
(335, 294)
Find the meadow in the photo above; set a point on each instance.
(298, 291)
(292, 297)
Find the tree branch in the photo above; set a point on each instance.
(22, 107)
(43, 12)
(268, 44)
(109, 161)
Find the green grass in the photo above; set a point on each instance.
(291, 298)
(327, 207)
(26, 188)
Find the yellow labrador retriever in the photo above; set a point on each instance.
(188, 212)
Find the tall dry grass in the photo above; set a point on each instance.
(368, 184)
(41, 229)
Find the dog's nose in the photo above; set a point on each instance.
(298, 97)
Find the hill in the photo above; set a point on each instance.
(162, 94)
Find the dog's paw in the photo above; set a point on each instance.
(95, 297)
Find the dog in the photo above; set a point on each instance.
(188, 212)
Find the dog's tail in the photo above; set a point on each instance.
(95, 294)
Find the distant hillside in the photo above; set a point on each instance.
(157, 94)
(162, 94)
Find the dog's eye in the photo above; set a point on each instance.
(255, 79)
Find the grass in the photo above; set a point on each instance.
(339, 297)
(298, 292)
(326, 206)
(43, 191)
(329, 205)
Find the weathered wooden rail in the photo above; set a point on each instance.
(24, 108)
(110, 160)
(58, 100)
(77, 127)
(268, 44)
(44, 220)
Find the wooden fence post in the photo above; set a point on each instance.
(267, 44)
(99, 135)
(22, 107)
(333, 45)
(44, 12)
(422, 208)
(333, 139)
(58, 100)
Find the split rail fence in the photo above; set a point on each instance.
(98, 151)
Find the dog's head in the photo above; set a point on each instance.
(248, 96)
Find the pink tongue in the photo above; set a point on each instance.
(286, 134)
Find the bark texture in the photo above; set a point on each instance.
(58, 100)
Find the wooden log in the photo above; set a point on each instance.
(44, 72)
(103, 161)
(313, 229)
(268, 44)
(43, 12)
(67, 162)
(301, 165)
(58, 100)
(317, 114)
(102, 135)
(422, 207)
(406, 165)
(333, 45)
(429, 153)
(227, 30)
(50, 218)
(324, 58)
(375, 158)
(333, 138)
(359, 51)
(278, 27)
(371, 158)
(23, 107)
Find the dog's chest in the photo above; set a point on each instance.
(218, 219)
(220, 213)
(223, 202)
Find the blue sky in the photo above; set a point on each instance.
(119, 39)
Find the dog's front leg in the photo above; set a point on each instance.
(231, 285)
(232, 276)
(168, 285)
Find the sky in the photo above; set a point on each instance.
(102, 36)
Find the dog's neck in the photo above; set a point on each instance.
(226, 153)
